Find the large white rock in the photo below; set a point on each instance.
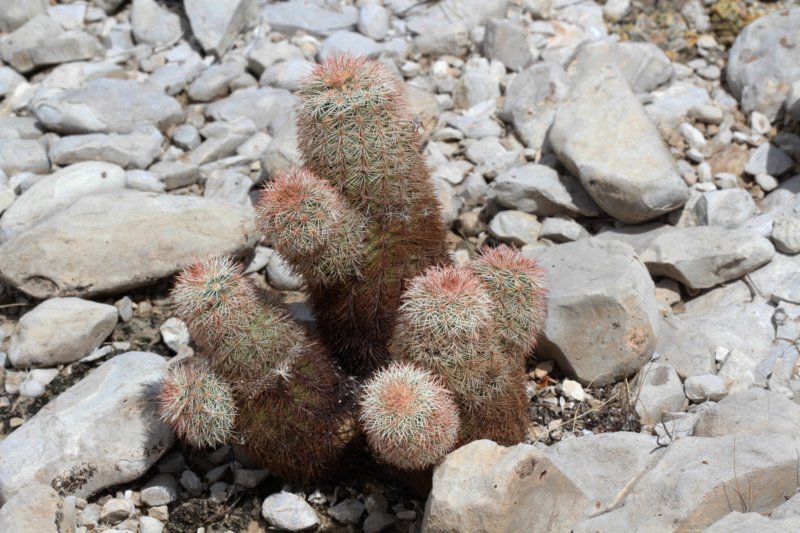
(764, 62)
(486, 487)
(751, 412)
(37, 508)
(130, 150)
(602, 312)
(103, 431)
(737, 522)
(60, 330)
(703, 256)
(107, 106)
(216, 23)
(700, 480)
(152, 24)
(657, 389)
(14, 13)
(109, 243)
(600, 129)
(54, 193)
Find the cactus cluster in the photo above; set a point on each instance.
(412, 352)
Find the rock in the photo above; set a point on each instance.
(280, 274)
(476, 122)
(703, 256)
(103, 431)
(152, 24)
(14, 14)
(108, 106)
(58, 191)
(148, 524)
(231, 186)
(769, 159)
(174, 333)
(37, 508)
(656, 390)
(9, 81)
(450, 203)
(444, 27)
(486, 487)
(479, 82)
(507, 41)
(266, 53)
(696, 481)
(705, 388)
(615, 10)
(605, 466)
(348, 511)
(175, 174)
(531, 101)
(643, 65)
(602, 312)
(186, 137)
(42, 41)
(751, 412)
(289, 511)
(287, 74)
(737, 522)
(60, 330)
(786, 234)
(115, 510)
(378, 521)
(561, 230)
(309, 16)
(515, 227)
(540, 190)
(216, 23)
(160, 490)
(671, 105)
(266, 107)
(348, 42)
(132, 150)
(249, 479)
(68, 255)
(373, 21)
(763, 62)
(788, 509)
(727, 207)
(21, 155)
(283, 152)
(192, 483)
(215, 81)
(595, 148)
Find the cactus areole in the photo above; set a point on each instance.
(417, 355)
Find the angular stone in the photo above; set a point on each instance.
(152, 24)
(289, 512)
(374, 20)
(60, 330)
(599, 147)
(14, 13)
(266, 53)
(128, 150)
(531, 101)
(160, 490)
(703, 256)
(216, 23)
(111, 243)
(348, 511)
(763, 62)
(21, 155)
(507, 41)
(604, 466)
(309, 16)
(697, 480)
(36, 508)
(108, 106)
(724, 207)
(602, 311)
(58, 191)
(657, 389)
(486, 487)
(215, 81)
(103, 431)
(789, 509)
(444, 27)
(768, 159)
(672, 104)
(348, 42)
(644, 65)
(751, 412)
(705, 388)
(287, 74)
(540, 190)
(266, 107)
(786, 234)
(515, 227)
(561, 230)
(737, 522)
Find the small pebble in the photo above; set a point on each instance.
(289, 511)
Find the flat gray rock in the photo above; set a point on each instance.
(289, 512)
(137, 149)
(724, 207)
(348, 42)
(540, 190)
(751, 412)
(309, 16)
(507, 41)
(444, 27)
(764, 61)
(103, 431)
(602, 312)
(108, 106)
(644, 65)
(267, 107)
(215, 23)
(59, 331)
(14, 13)
(486, 487)
(599, 129)
(38, 508)
(58, 191)
(703, 256)
(515, 227)
(152, 24)
(768, 159)
(111, 243)
(23, 155)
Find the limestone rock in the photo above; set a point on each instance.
(737, 522)
(540, 190)
(111, 243)
(657, 389)
(103, 431)
(752, 412)
(216, 23)
(37, 508)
